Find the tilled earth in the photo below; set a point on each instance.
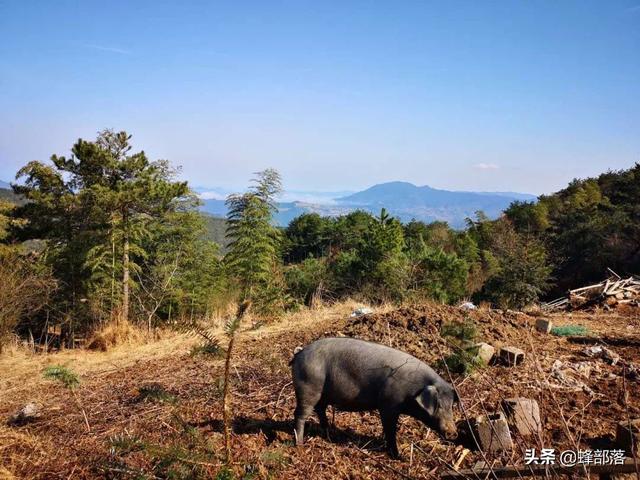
(163, 418)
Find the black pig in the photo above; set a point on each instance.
(355, 375)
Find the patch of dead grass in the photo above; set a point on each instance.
(116, 333)
(21, 368)
(17, 448)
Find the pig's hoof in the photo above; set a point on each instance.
(395, 454)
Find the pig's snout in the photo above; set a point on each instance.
(451, 434)
(449, 431)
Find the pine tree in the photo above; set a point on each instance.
(231, 329)
(254, 248)
(95, 208)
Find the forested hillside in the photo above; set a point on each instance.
(7, 195)
(591, 225)
(216, 228)
(123, 240)
(119, 237)
(402, 200)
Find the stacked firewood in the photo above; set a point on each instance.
(610, 293)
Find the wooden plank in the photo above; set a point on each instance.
(557, 301)
(590, 287)
(613, 273)
(629, 466)
(614, 288)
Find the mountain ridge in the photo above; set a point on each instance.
(401, 199)
(406, 193)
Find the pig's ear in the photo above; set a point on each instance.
(428, 399)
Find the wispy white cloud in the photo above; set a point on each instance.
(212, 196)
(103, 48)
(316, 198)
(486, 166)
(310, 197)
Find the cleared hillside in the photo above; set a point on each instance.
(159, 416)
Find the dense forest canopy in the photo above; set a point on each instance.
(591, 225)
(119, 237)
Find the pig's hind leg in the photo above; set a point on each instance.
(321, 411)
(307, 398)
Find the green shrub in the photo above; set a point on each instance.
(461, 335)
(461, 332)
(208, 349)
(156, 393)
(569, 330)
(274, 458)
(125, 443)
(62, 374)
(304, 280)
(225, 473)
(464, 362)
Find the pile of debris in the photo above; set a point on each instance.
(612, 292)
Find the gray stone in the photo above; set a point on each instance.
(524, 415)
(492, 433)
(511, 356)
(628, 437)
(543, 325)
(485, 352)
(30, 412)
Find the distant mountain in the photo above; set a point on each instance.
(407, 201)
(287, 211)
(6, 194)
(408, 195)
(526, 197)
(402, 199)
(214, 206)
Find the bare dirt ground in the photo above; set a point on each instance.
(154, 411)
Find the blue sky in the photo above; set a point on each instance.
(476, 95)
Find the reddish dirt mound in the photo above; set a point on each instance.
(416, 329)
(571, 416)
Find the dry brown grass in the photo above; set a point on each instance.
(6, 474)
(59, 446)
(484, 306)
(110, 382)
(116, 333)
(21, 368)
(16, 446)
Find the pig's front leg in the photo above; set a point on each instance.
(390, 426)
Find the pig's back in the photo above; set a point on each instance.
(359, 375)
